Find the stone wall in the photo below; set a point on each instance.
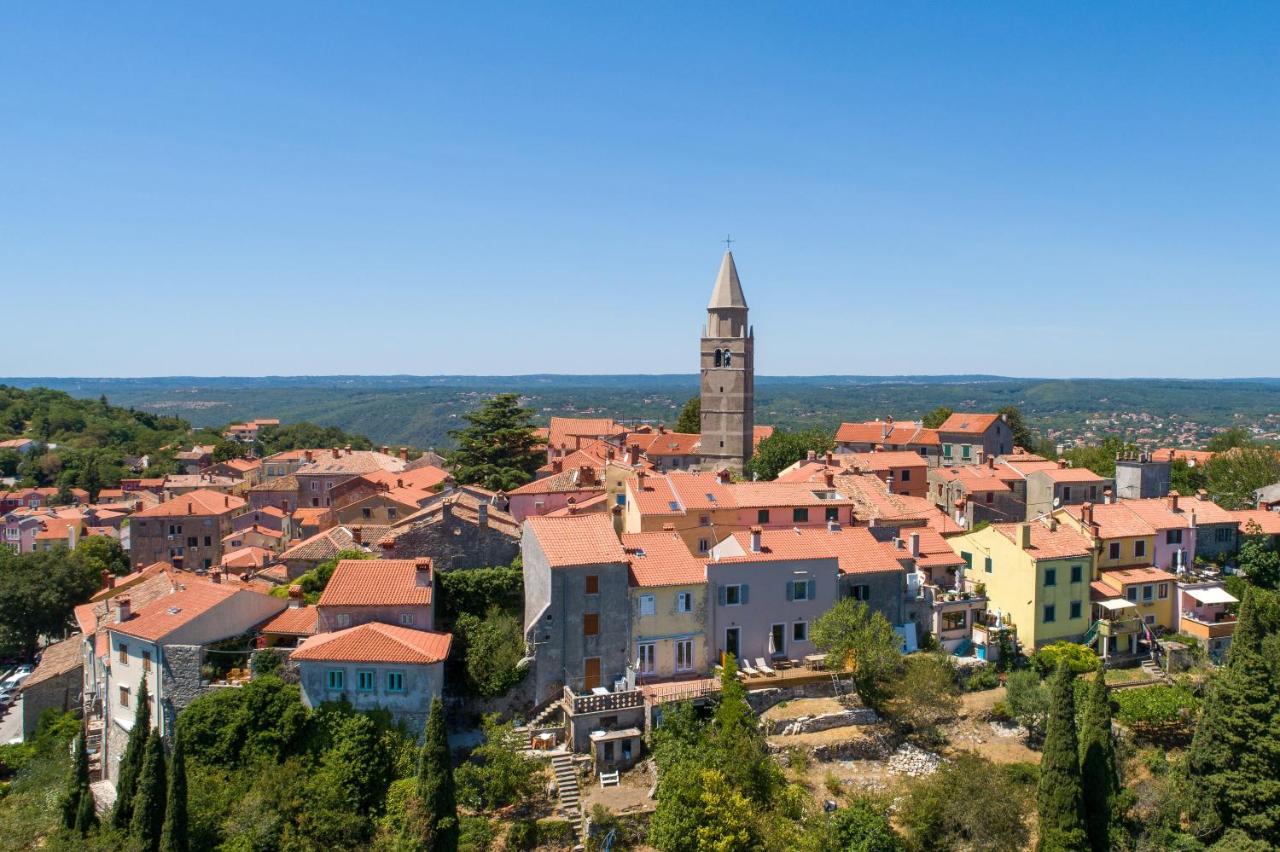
(454, 543)
(180, 679)
(61, 693)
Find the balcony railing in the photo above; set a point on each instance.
(603, 702)
(1207, 625)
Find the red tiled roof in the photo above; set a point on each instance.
(1196, 457)
(855, 549)
(564, 430)
(1114, 520)
(165, 615)
(662, 559)
(377, 582)
(295, 621)
(1138, 574)
(887, 433)
(247, 557)
(969, 424)
(322, 545)
(577, 539)
(424, 478)
(199, 502)
(1068, 474)
(1064, 542)
(1268, 522)
(376, 643)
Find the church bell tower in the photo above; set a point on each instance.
(728, 374)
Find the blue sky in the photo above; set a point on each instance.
(274, 188)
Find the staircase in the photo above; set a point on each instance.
(1154, 671)
(567, 787)
(546, 713)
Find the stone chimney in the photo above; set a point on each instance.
(914, 539)
(336, 452)
(404, 454)
(831, 461)
(1107, 495)
(216, 575)
(633, 454)
(308, 455)
(829, 476)
(755, 539)
(1086, 514)
(572, 506)
(357, 535)
(385, 450)
(1062, 464)
(295, 596)
(1024, 536)
(446, 509)
(124, 609)
(422, 574)
(812, 455)
(1172, 499)
(586, 475)
(557, 465)
(482, 514)
(722, 476)
(640, 480)
(190, 508)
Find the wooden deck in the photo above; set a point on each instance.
(688, 690)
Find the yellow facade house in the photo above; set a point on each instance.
(668, 588)
(1035, 574)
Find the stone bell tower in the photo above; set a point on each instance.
(728, 374)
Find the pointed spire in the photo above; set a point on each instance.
(728, 291)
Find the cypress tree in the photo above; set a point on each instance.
(1059, 798)
(435, 784)
(1098, 774)
(148, 803)
(1234, 759)
(77, 784)
(131, 763)
(174, 836)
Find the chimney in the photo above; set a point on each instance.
(1053, 524)
(1062, 464)
(190, 508)
(1106, 495)
(422, 574)
(336, 452)
(633, 454)
(991, 462)
(830, 477)
(482, 514)
(216, 575)
(1024, 536)
(1172, 500)
(830, 460)
(446, 509)
(572, 506)
(404, 454)
(662, 430)
(640, 479)
(557, 465)
(123, 609)
(399, 482)
(722, 476)
(385, 450)
(307, 454)
(226, 501)
(586, 475)
(348, 449)
(668, 527)
(106, 579)
(1086, 513)
(914, 538)
(357, 535)
(755, 539)
(295, 596)
(812, 455)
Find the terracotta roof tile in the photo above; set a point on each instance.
(855, 549)
(1268, 522)
(294, 621)
(662, 559)
(1064, 542)
(1114, 520)
(577, 540)
(376, 643)
(323, 545)
(967, 423)
(194, 503)
(165, 615)
(378, 582)
(57, 659)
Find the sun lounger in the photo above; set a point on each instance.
(764, 667)
(745, 667)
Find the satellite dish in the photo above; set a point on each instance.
(1057, 501)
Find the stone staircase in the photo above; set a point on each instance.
(567, 787)
(546, 713)
(1154, 671)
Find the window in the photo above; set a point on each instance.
(647, 605)
(395, 681)
(334, 680)
(732, 595)
(1131, 594)
(391, 511)
(762, 516)
(986, 564)
(124, 696)
(344, 620)
(704, 520)
(146, 661)
(1140, 547)
(964, 451)
(364, 680)
(1113, 550)
(833, 513)
(1149, 619)
(1050, 613)
(684, 655)
(1222, 534)
(1051, 576)
(967, 557)
(1075, 609)
(860, 592)
(800, 516)
(800, 590)
(684, 602)
(946, 451)
(406, 619)
(367, 512)
(904, 476)
(1077, 573)
(800, 631)
(208, 541)
(193, 541)
(1163, 591)
(778, 639)
(1173, 537)
(953, 620)
(1066, 494)
(591, 624)
(1148, 592)
(703, 545)
(646, 657)
(124, 654)
(593, 584)
(991, 496)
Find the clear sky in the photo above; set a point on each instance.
(1042, 189)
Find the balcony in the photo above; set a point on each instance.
(602, 702)
(1119, 626)
(1206, 625)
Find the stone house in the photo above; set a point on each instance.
(389, 591)
(465, 528)
(972, 438)
(1053, 487)
(186, 531)
(55, 684)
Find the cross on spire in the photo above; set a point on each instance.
(728, 242)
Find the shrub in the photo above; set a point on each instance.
(1027, 701)
(1080, 658)
(833, 784)
(1157, 713)
(475, 834)
(981, 678)
(523, 835)
(556, 832)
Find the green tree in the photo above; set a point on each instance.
(491, 650)
(1099, 776)
(737, 746)
(1022, 434)
(38, 595)
(925, 693)
(75, 814)
(1258, 558)
(861, 827)
(225, 450)
(131, 764)
(173, 838)
(724, 821)
(1186, 479)
(991, 815)
(860, 640)
(99, 553)
(308, 436)
(148, 805)
(1060, 799)
(1028, 701)
(937, 417)
(1100, 458)
(1231, 477)
(497, 773)
(1234, 760)
(435, 784)
(1230, 439)
(498, 449)
(1080, 658)
(690, 419)
(784, 448)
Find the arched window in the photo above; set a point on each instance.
(728, 358)
(719, 358)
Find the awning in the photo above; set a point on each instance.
(1212, 595)
(1114, 604)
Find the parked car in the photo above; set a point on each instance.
(7, 697)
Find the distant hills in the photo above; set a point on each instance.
(420, 410)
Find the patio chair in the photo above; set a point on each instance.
(765, 667)
(745, 667)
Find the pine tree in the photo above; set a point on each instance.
(1098, 774)
(174, 836)
(1059, 799)
(131, 763)
(435, 784)
(498, 450)
(148, 803)
(1234, 759)
(690, 419)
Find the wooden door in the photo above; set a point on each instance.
(590, 673)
